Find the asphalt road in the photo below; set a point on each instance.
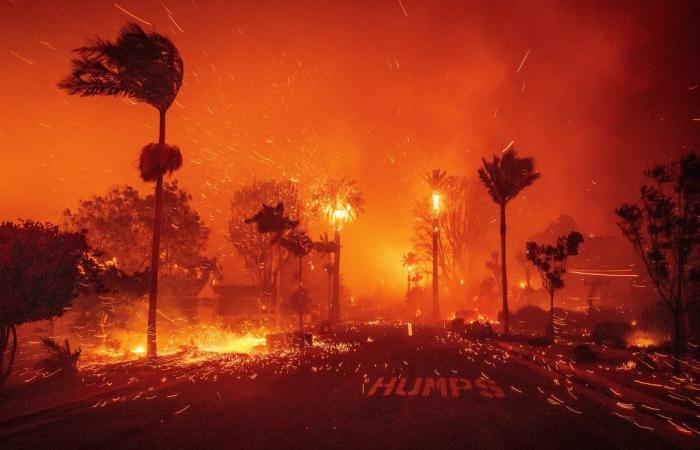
(446, 393)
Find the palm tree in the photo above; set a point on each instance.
(146, 67)
(299, 244)
(409, 260)
(505, 178)
(339, 201)
(437, 179)
(327, 247)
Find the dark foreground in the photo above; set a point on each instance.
(456, 394)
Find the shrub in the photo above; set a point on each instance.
(61, 357)
(613, 334)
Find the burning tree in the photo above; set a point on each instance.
(339, 201)
(550, 261)
(327, 247)
(146, 67)
(261, 260)
(120, 224)
(42, 269)
(504, 178)
(665, 232)
(461, 223)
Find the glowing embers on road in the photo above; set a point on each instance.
(452, 387)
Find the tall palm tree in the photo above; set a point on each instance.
(437, 179)
(505, 178)
(339, 201)
(299, 244)
(146, 67)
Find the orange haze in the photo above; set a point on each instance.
(382, 91)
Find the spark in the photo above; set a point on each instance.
(182, 410)
(27, 60)
(131, 15)
(403, 9)
(523, 61)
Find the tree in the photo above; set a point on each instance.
(409, 260)
(436, 179)
(338, 201)
(504, 178)
(299, 244)
(260, 257)
(146, 67)
(42, 269)
(327, 247)
(120, 224)
(462, 223)
(550, 261)
(665, 232)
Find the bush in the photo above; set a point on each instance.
(613, 334)
(61, 357)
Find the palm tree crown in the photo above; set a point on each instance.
(144, 66)
(506, 177)
(437, 179)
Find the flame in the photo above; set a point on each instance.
(436, 201)
(124, 345)
(641, 339)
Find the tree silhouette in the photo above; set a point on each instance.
(146, 67)
(339, 201)
(327, 247)
(261, 258)
(42, 269)
(550, 261)
(504, 178)
(462, 221)
(409, 261)
(299, 244)
(665, 232)
(436, 179)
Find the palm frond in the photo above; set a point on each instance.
(144, 66)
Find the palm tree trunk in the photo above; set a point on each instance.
(5, 332)
(504, 276)
(436, 290)
(551, 314)
(301, 301)
(152, 350)
(336, 279)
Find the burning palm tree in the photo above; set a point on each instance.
(437, 179)
(146, 67)
(505, 178)
(339, 201)
(409, 260)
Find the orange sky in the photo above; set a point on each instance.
(382, 91)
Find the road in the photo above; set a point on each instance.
(373, 387)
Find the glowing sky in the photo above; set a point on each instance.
(380, 90)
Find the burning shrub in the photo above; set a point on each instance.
(613, 334)
(61, 357)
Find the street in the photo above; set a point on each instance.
(376, 387)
